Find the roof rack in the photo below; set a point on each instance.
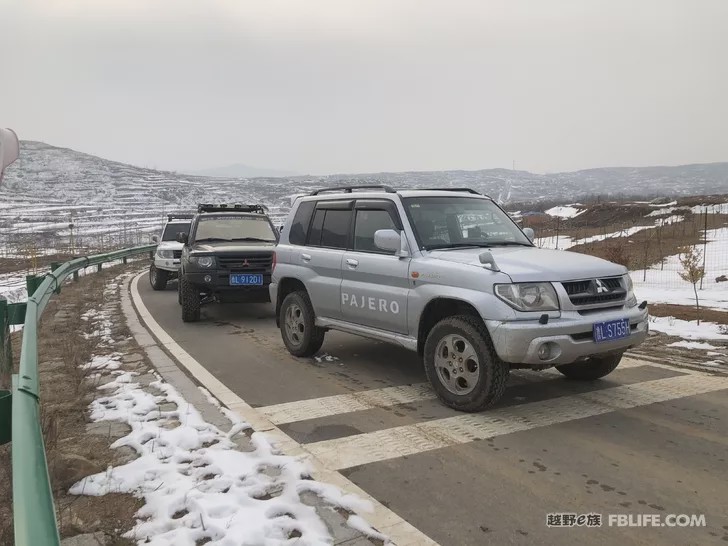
(223, 207)
(348, 189)
(468, 190)
(179, 216)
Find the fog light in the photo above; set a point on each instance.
(208, 278)
(544, 352)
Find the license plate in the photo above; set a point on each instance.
(246, 279)
(611, 330)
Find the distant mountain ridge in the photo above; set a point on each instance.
(238, 170)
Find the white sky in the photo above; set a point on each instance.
(322, 86)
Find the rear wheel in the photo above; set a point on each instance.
(158, 278)
(462, 365)
(190, 301)
(298, 325)
(594, 368)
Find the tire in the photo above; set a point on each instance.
(297, 320)
(190, 302)
(158, 278)
(179, 290)
(594, 368)
(480, 381)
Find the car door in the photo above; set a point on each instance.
(323, 253)
(375, 283)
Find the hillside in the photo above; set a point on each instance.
(111, 203)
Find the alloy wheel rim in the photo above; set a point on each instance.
(294, 326)
(457, 364)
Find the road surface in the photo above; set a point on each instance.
(648, 439)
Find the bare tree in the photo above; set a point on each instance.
(693, 272)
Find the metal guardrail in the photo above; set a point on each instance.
(34, 513)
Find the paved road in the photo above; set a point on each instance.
(649, 439)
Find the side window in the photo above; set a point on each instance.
(314, 235)
(368, 222)
(299, 227)
(335, 232)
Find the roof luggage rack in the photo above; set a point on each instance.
(349, 189)
(468, 190)
(237, 207)
(179, 216)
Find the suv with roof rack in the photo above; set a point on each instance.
(227, 257)
(447, 273)
(165, 264)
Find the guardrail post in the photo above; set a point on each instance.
(123, 260)
(54, 266)
(75, 276)
(32, 282)
(6, 349)
(6, 416)
(98, 267)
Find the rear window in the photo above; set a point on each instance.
(301, 221)
(335, 233)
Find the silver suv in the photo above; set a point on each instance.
(448, 274)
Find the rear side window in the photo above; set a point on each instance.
(335, 232)
(301, 221)
(314, 236)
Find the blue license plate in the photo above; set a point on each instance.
(246, 279)
(611, 330)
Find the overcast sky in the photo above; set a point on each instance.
(324, 86)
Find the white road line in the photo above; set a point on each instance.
(399, 531)
(315, 408)
(396, 442)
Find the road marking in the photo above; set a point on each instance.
(399, 531)
(326, 406)
(405, 440)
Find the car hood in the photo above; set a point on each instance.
(169, 245)
(228, 247)
(531, 264)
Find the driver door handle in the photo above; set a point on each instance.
(306, 257)
(352, 263)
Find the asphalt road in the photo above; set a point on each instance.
(648, 439)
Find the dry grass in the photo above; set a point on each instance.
(65, 395)
(688, 312)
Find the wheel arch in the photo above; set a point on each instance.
(440, 308)
(286, 286)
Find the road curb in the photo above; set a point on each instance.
(150, 336)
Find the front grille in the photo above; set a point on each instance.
(176, 254)
(595, 291)
(246, 263)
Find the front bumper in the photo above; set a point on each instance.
(167, 264)
(518, 342)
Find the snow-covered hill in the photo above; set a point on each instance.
(110, 203)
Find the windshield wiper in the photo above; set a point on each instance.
(211, 239)
(257, 239)
(509, 243)
(456, 246)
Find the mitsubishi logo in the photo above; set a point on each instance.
(601, 287)
(245, 263)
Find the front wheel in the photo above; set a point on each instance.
(297, 318)
(595, 367)
(462, 365)
(190, 301)
(158, 278)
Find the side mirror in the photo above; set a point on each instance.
(528, 232)
(9, 149)
(392, 241)
(183, 238)
(155, 238)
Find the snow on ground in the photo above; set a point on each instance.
(565, 211)
(694, 345)
(196, 485)
(688, 330)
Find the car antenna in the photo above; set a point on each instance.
(486, 258)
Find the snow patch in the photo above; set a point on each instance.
(566, 211)
(693, 345)
(688, 330)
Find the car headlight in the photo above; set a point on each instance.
(529, 296)
(165, 254)
(202, 261)
(629, 286)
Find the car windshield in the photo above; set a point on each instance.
(453, 222)
(171, 230)
(235, 228)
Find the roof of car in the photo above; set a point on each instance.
(378, 194)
